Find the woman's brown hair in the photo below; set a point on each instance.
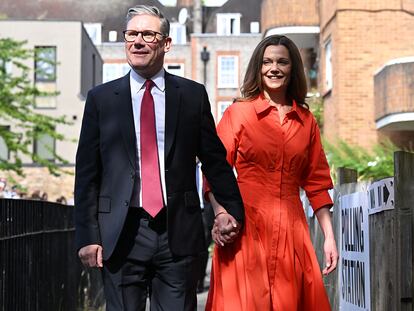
(252, 84)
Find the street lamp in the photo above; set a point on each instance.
(205, 57)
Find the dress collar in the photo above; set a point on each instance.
(261, 104)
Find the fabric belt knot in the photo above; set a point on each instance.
(152, 200)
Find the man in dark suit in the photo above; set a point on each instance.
(137, 209)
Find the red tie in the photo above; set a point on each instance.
(150, 171)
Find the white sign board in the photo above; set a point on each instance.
(354, 277)
(381, 195)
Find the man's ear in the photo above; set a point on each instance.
(167, 44)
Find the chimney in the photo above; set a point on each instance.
(197, 17)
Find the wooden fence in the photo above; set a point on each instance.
(39, 269)
(390, 240)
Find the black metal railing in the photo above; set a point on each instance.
(39, 269)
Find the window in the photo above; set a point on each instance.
(4, 150)
(328, 65)
(45, 76)
(228, 24)
(44, 146)
(222, 106)
(112, 71)
(227, 71)
(175, 69)
(45, 64)
(178, 33)
(94, 31)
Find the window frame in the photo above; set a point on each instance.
(36, 148)
(328, 83)
(178, 33)
(221, 83)
(225, 26)
(39, 78)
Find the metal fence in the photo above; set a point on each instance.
(39, 269)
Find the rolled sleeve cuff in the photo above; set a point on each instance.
(320, 199)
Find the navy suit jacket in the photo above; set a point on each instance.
(107, 173)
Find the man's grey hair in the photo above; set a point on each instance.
(149, 10)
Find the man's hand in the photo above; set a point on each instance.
(225, 229)
(91, 256)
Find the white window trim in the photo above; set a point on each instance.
(328, 65)
(175, 29)
(224, 24)
(223, 84)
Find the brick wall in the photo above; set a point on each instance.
(363, 40)
(38, 178)
(394, 89)
(289, 13)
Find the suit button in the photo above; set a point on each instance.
(126, 203)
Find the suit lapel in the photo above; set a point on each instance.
(126, 117)
(172, 108)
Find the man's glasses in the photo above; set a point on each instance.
(148, 36)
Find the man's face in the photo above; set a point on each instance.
(146, 58)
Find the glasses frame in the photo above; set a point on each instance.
(142, 35)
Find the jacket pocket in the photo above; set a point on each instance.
(104, 205)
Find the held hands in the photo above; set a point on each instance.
(91, 256)
(331, 255)
(225, 229)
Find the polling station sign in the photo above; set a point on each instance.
(354, 276)
(381, 195)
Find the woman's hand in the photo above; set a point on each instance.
(331, 255)
(225, 229)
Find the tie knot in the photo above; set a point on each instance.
(149, 84)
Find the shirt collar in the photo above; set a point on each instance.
(137, 81)
(261, 104)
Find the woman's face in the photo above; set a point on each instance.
(276, 68)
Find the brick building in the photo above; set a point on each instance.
(212, 47)
(361, 76)
(76, 70)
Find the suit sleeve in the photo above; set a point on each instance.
(87, 178)
(316, 180)
(215, 167)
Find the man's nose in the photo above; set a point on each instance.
(139, 39)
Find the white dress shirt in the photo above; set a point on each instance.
(158, 93)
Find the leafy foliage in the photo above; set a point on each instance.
(315, 103)
(17, 100)
(370, 165)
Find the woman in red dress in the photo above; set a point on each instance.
(274, 144)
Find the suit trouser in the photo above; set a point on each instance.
(143, 265)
